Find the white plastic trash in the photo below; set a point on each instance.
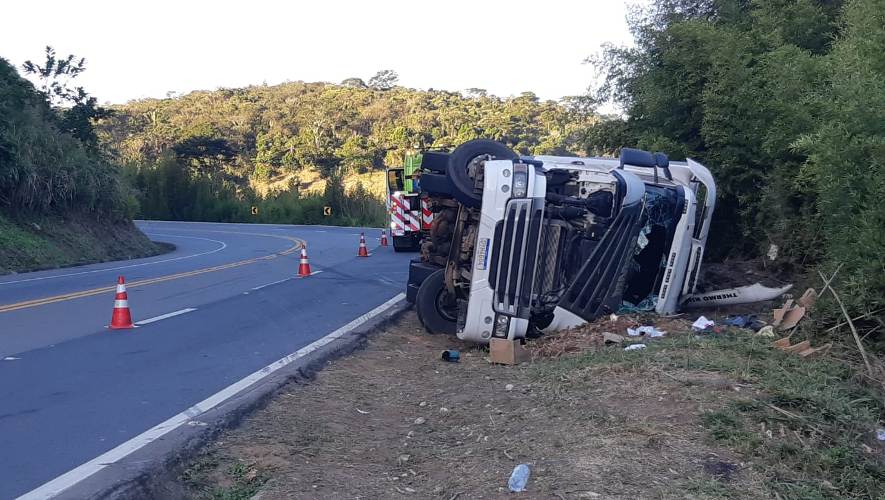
(519, 478)
(702, 323)
(634, 347)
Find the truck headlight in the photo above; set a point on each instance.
(502, 325)
(520, 180)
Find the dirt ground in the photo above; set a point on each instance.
(395, 421)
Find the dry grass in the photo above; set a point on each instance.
(309, 181)
(607, 429)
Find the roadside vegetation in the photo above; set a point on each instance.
(785, 101)
(62, 201)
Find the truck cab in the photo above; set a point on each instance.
(523, 245)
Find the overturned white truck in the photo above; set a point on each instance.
(520, 245)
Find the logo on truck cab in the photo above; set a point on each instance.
(482, 253)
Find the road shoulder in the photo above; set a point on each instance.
(688, 417)
(143, 473)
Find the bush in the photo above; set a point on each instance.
(167, 190)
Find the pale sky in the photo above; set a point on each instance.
(144, 49)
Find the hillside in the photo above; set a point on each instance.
(263, 131)
(61, 201)
(240, 146)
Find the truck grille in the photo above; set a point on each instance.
(514, 256)
(553, 250)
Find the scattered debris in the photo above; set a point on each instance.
(508, 387)
(507, 352)
(803, 348)
(791, 313)
(443, 410)
(648, 331)
(732, 296)
(420, 420)
(11, 358)
(362, 412)
(880, 434)
(702, 324)
(789, 318)
(766, 331)
(634, 347)
(451, 355)
(612, 338)
(808, 298)
(647, 304)
(772, 252)
(744, 321)
(519, 478)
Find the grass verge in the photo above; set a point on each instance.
(30, 244)
(722, 416)
(808, 425)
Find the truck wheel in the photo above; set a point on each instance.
(436, 310)
(461, 173)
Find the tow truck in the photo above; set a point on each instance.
(409, 215)
(520, 245)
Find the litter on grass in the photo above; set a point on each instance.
(744, 321)
(634, 347)
(648, 331)
(702, 323)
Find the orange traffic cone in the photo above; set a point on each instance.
(304, 267)
(383, 238)
(362, 252)
(122, 318)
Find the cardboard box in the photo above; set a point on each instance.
(507, 352)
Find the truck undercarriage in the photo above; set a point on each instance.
(523, 244)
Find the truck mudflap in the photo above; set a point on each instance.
(599, 284)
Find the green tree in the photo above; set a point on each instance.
(384, 80)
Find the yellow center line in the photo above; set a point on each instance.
(160, 279)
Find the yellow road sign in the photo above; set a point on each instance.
(254, 210)
(327, 211)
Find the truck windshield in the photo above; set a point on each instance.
(395, 180)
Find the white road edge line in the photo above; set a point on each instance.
(259, 287)
(142, 264)
(74, 476)
(164, 316)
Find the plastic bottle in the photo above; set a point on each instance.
(518, 478)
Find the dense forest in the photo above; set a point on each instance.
(785, 101)
(228, 143)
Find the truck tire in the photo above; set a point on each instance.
(430, 303)
(460, 160)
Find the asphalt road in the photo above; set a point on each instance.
(71, 389)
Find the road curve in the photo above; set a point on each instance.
(225, 303)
